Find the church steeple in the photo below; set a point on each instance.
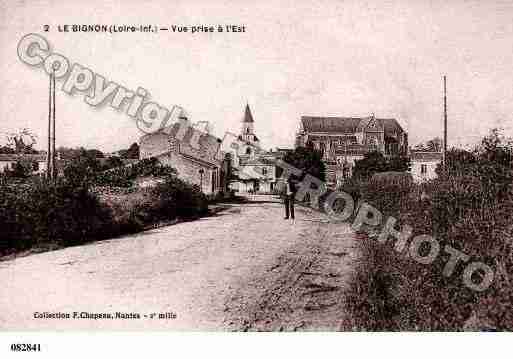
(248, 117)
(247, 126)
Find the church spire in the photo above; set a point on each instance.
(247, 126)
(248, 117)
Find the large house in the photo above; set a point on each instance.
(202, 166)
(343, 140)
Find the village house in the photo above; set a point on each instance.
(7, 161)
(423, 165)
(343, 140)
(200, 166)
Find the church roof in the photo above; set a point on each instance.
(248, 117)
(347, 124)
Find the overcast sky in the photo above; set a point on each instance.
(325, 58)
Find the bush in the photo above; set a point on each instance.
(44, 213)
(176, 198)
(469, 207)
(41, 213)
(21, 169)
(376, 162)
(124, 176)
(306, 159)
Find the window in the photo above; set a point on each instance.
(248, 151)
(423, 169)
(322, 147)
(213, 181)
(264, 171)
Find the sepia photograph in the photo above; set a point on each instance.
(328, 166)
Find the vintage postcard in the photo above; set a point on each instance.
(233, 166)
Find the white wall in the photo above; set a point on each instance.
(9, 164)
(430, 170)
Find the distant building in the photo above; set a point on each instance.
(423, 164)
(343, 140)
(200, 166)
(254, 169)
(7, 161)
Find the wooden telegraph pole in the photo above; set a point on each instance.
(54, 153)
(51, 169)
(49, 148)
(444, 155)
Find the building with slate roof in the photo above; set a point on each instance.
(343, 140)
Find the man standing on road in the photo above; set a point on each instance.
(290, 193)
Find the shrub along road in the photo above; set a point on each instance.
(244, 269)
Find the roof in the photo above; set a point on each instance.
(248, 117)
(259, 161)
(425, 156)
(347, 124)
(17, 157)
(208, 145)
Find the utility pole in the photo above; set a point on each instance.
(445, 124)
(49, 148)
(54, 153)
(51, 168)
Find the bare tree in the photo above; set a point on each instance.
(433, 145)
(22, 141)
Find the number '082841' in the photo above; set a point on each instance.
(25, 347)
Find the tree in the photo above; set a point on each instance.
(458, 162)
(68, 153)
(83, 168)
(371, 163)
(22, 141)
(112, 162)
(490, 164)
(95, 153)
(72, 153)
(22, 168)
(375, 162)
(308, 160)
(131, 153)
(6, 150)
(495, 147)
(433, 145)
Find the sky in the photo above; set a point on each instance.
(316, 58)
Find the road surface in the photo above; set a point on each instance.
(192, 274)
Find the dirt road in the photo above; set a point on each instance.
(225, 272)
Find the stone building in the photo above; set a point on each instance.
(343, 140)
(203, 166)
(423, 165)
(254, 168)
